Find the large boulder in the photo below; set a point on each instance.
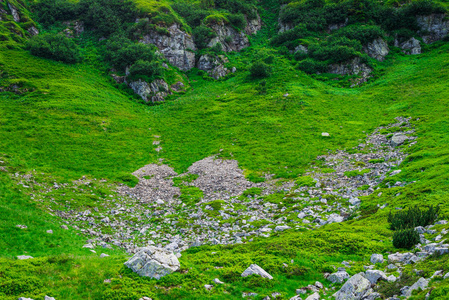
(433, 28)
(377, 258)
(377, 49)
(398, 139)
(406, 258)
(351, 67)
(153, 262)
(354, 289)
(374, 275)
(176, 45)
(422, 284)
(256, 270)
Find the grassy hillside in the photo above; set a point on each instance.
(68, 121)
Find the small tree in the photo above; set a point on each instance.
(260, 69)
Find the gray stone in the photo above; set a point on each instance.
(335, 218)
(319, 285)
(314, 296)
(398, 139)
(255, 269)
(208, 287)
(377, 258)
(48, 298)
(338, 277)
(102, 255)
(22, 257)
(441, 222)
(217, 281)
(392, 278)
(156, 91)
(446, 276)
(153, 262)
(411, 46)
(355, 288)
(22, 226)
(422, 283)
(50, 231)
(214, 66)
(14, 12)
(325, 134)
(23, 298)
(377, 49)
(64, 227)
(374, 275)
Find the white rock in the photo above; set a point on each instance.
(153, 262)
(314, 296)
(218, 281)
(208, 287)
(325, 134)
(23, 298)
(50, 231)
(48, 298)
(354, 289)
(377, 258)
(319, 285)
(22, 226)
(441, 222)
(22, 257)
(391, 278)
(64, 227)
(255, 269)
(446, 276)
(89, 246)
(103, 255)
(281, 228)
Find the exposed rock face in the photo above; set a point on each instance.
(176, 46)
(155, 91)
(153, 262)
(253, 25)
(74, 28)
(14, 12)
(256, 270)
(338, 277)
(213, 65)
(374, 275)
(377, 49)
(33, 31)
(377, 258)
(177, 87)
(411, 46)
(352, 67)
(434, 27)
(229, 38)
(355, 288)
(422, 283)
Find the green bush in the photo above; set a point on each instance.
(406, 238)
(305, 181)
(238, 21)
(54, 46)
(202, 35)
(260, 69)
(146, 70)
(413, 217)
(50, 11)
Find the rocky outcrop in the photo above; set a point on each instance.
(377, 49)
(411, 46)
(433, 28)
(155, 91)
(336, 26)
(352, 67)
(253, 26)
(214, 66)
(14, 12)
(74, 28)
(176, 46)
(256, 270)
(153, 262)
(229, 38)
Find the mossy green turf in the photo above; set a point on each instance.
(77, 123)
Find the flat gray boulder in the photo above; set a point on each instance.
(314, 296)
(255, 269)
(153, 262)
(354, 289)
(398, 139)
(338, 277)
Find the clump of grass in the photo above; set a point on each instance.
(355, 173)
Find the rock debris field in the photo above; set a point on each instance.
(213, 202)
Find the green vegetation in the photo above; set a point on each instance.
(355, 173)
(406, 238)
(64, 121)
(57, 47)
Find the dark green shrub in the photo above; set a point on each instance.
(289, 38)
(406, 238)
(300, 55)
(191, 13)
(237, 20)
(205, 4)
(260, 69)
(54, 46)
(363, 34)
(50, 11)
(413, 217)
(146, 70)
(311, 66)
(202, 35)
(246, 7)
